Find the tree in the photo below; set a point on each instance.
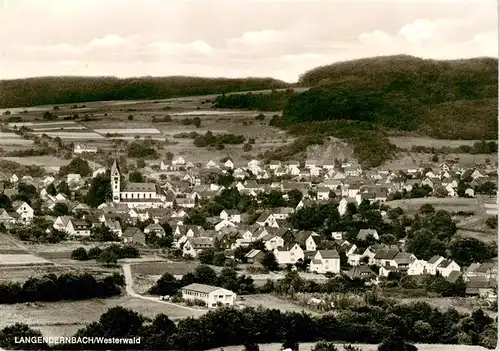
(120, 322)
(135, 177)
(60, 209)
(166, 285)
(206, 256)
(63, 188)
(99, 191)
(396, 343)
(435, 158)
(77, 166)
(10, 335)
(469, 250)
(197, 122)
(269, 262)
(492, 222)
(108, 258)
(251, 346)
(205, 275)
(324, 346)
(51, 189)
(247, 147)
(141, 163)
(130, 117)
(427, 209)
(49, 116)
(294, 197)
(79, 254)
(5, 202)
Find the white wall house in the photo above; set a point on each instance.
(417, 267)
(290, 255)
(325, 261)
(446, 267)
(211, 295)
(433, 263)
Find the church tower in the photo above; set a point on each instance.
(115, 182)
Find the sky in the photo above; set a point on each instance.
(232, 38)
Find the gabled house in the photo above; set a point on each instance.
(212, 165)
(133, 235)
(224, 224)
(7, 218)
(384, 257)
(361, 272)
(155, 228)
(289, 254)
(254, 256)
(193, 246)
(231, 215)
(417, 267)
(433, 263)
(267, 219)
(325, 261)
(273, 165)
(323, 193)
(364, 234)
(308, 240)
(79, 227)
(26, 213)
(446, 267)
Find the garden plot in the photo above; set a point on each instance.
(450, 204)
(72, 135)
(13, 139)
(22, 260)
(128, 131)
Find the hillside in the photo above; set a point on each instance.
(442, 99)
(58, 90)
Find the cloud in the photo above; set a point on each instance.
(376, 37)
(108, 40)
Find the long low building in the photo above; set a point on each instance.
(211, 295)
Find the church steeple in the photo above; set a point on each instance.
(115, 181)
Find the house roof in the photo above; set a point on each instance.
(326, 254)
(206, 289)
(385, 254)
(136, 187)
(252, 253)
(434, 259)
(131, 231)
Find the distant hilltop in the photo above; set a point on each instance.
(59, 90)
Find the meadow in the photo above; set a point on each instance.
(450, 204)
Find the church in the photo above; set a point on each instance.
(144, 195)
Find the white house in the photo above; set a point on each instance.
(231, 215)
(325, 261)
(446, 267)
(433, 263)
(224, 224)
(213, 296)
(228, 164)
(289, 255)
(81, 148)
(24, 210)
(78, 227)
(193, 246)
(417, 267)
(211, 164)
(323, 193)
(272, 242)
(178, 161)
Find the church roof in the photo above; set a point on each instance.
(147, 187)
(115, 167)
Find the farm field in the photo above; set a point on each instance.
(65, 318)
(363, 347)
(407, 142)
(404, 161)
(21, 259)
(449, 204)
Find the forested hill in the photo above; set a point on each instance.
(57, 90)
(444, 99)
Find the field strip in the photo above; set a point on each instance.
(128, 131)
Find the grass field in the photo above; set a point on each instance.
(363, 347)
(65, 318)
(407, 142)
(450, 204)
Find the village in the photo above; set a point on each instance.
(170, 193)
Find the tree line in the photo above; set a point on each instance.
(372, 323)
(57, 90)
(67, 286)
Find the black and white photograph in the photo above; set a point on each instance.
(249, 175)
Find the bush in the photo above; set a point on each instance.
(79, 254)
